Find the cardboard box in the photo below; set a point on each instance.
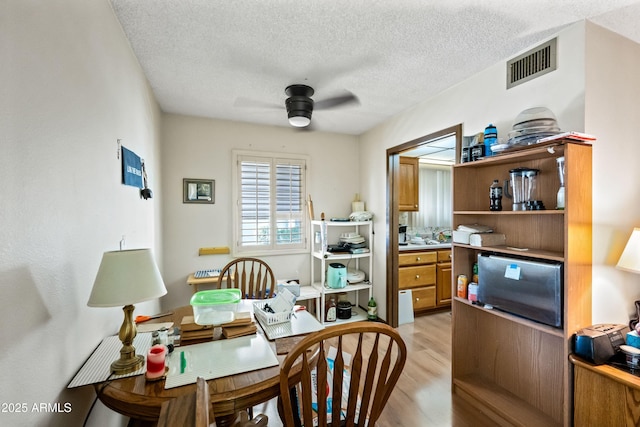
(487, 239)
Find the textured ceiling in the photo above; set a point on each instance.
(233, 59)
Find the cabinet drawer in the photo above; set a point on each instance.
(414, 277)
(417, 258)
(444, 256)
(424, 298)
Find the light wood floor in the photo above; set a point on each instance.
(422, 396)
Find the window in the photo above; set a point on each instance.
(270, 214)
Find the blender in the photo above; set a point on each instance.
(523, 189)
(560, 198)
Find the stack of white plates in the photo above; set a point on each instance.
(531, 125)
(353, 238)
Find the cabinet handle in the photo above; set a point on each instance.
(417, 276)
(417, 258)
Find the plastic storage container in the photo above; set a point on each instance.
(216, 306)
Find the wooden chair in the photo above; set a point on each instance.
(252, 276)
(193, 410)
(378, 355)
(190, 410)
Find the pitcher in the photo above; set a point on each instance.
(523, 188)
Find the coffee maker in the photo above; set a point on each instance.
(402, 235)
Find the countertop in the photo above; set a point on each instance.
(423, 246)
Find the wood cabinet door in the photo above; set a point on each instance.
(443, 283)
(408, 186)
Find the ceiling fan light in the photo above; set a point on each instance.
(299, 121)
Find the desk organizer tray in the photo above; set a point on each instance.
(281, 306)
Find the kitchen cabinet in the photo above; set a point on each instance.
(426, 273)
(514, 369)
(443, 279)
(408, 184)
(324, 233)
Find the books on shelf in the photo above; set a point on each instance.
(576, 136)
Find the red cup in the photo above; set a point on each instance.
(156, 361)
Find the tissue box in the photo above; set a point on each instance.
(487, 239)
(633, 339)
(292, 286)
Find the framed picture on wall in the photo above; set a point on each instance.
(198, 190)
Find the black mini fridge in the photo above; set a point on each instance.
(528, 288)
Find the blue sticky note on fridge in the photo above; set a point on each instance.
(512, 272)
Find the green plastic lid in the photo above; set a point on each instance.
(216, 297)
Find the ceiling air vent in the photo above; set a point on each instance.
(534, 63)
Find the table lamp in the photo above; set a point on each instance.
(630, 258)
(125, 278)
(630, 261)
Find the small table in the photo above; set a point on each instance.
(604, 395)
(192, 281)
(141, 400)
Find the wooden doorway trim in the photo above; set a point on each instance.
(393, 221)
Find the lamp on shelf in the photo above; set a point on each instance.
(125, 278)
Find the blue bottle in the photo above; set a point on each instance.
(490, 138)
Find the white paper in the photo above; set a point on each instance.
(512, 272)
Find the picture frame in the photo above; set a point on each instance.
(198, 190)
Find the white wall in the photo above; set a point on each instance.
(612, 112)
(70, 88)
(475, 103)
(201, 148)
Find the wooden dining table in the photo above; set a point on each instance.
(141, 400)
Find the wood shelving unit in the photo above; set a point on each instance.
(514, 369)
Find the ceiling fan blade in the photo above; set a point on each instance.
(252, 103)
(342, 100)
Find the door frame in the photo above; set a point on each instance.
(393, 221)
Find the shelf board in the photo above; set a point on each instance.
(540, 212)
(358, 314)
(486, 395)
(341, 223)
(530, 152)
(348, 288)
(513, 318)
(330, 256)
(534, 253)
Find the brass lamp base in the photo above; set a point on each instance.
(129, 361)
(125, 366)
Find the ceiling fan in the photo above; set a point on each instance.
(300, 105)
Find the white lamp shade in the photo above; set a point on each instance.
(126, 277)
(630, 258)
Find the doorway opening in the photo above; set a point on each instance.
(429, 146)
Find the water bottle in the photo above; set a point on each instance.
(490, 138)
(495, 196)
